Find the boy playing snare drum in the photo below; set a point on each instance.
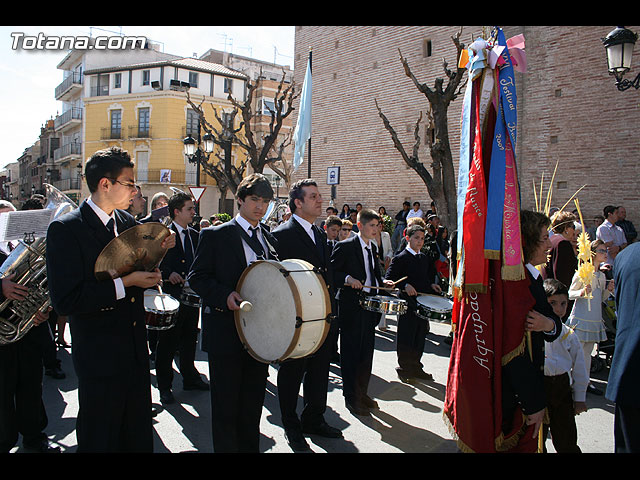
(421, 276)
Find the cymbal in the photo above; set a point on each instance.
(136, 249)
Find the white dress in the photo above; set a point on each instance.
(587, 323)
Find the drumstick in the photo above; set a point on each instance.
(382, 288)
(246, 306)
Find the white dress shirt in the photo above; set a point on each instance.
(249, 254)
(306, 225)
(370, 275)
(565, 355)
(104, 218)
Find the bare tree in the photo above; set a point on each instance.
(268, 152)
(440, 182)
(265, 151)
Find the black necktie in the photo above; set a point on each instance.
(371, 270)
(111, 227)
(258, 245)
(188, 248)
(318, 239)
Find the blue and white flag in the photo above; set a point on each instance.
(302, 133)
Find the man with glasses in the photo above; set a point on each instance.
(106, 317)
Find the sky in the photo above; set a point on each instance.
(29, 77)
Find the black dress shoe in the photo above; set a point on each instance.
(41, 447)
(357, 409)
(370, 403)
(296, 441)
(405, 378)
(166, 396)
(323, 429)
(198, 384)
(422, 375)
(593, 390)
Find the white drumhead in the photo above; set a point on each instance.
(156, 302)
(436, 303)
(270, 325)
(269, 329)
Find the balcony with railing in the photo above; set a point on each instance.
(67, 151)
(68, 184)
(139, 131)
(101, 91)
(70, 85)
(68, 119)
(111, 133)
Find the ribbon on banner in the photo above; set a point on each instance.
(475, 208)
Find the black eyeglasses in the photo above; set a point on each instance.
(124, 184)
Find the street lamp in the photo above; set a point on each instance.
(619, 46)
(195, 154)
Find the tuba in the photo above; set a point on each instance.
(28, 262)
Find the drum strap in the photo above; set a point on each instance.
(256, 246)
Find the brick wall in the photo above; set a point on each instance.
(569, 111)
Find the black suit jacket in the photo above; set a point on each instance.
(216, 269)
(347, 259)
(294, 242)
(109, 335)
(175, 261)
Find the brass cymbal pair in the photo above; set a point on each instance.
(137, 249)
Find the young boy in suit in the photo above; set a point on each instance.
(421, 275)
(356, 271)
(237, 380)
(106, 317)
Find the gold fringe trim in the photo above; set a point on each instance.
(513, 272)
(475, 287)
(504, 444)
(519, 350)
(464, 448)
(492, 254)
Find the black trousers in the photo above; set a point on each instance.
(410, 338)
(313, 373)
(238, 384)
(183, 337)
(21, 408)
(627, 428)
(114, 413)
(562, 423)
(357, 342)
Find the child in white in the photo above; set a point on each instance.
(586, 316)
(565, 378)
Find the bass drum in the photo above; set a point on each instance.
(290, 306)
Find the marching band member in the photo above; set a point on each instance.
(238, 381)
(354, 264)
(106, 318)
(421, 276)
(300, 238)
(21, 408)
(183, 336)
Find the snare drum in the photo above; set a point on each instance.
(161, 310)
(189, 297)
(434, 307)
(384, 304)
(289, 314)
